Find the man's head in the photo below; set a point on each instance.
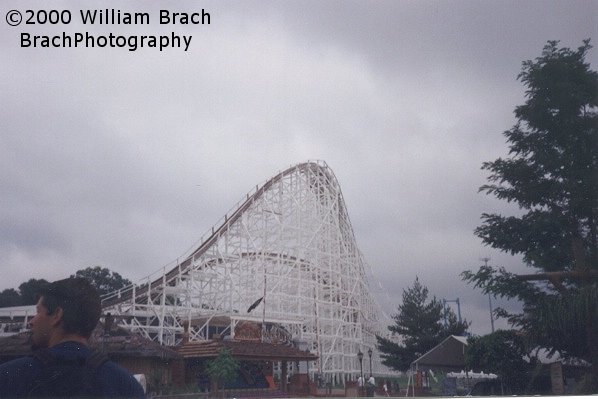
(69, 307)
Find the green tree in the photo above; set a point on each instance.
(223, 368)
(421, 324)
(552, 174)
(10, 297)
(501, 352)
(30, 289)
(104, 280)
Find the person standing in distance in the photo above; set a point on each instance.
(62, 363)
(371, 386)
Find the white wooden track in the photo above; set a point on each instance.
(289, 241)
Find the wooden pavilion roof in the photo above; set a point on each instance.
(116, 343)
(244, 350)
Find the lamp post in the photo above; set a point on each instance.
(370, 353)
(360, 357)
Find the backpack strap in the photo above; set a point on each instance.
(96, 360)
(48, 362)
(53, 370)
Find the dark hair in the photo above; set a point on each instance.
(79, 301)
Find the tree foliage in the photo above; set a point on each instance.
(27, 293)
(223, 368)
(501, 352)
(552, 169)
(422, 324)
(10, 297)
(104, 280)
(552, 174)
(30, 289)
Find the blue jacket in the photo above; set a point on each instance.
(17, 376)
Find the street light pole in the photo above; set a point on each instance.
(370, 353)
(360, 357)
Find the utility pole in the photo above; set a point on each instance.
(486, 259)
(264, 308)
(444, 301)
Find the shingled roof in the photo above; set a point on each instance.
(244, 350)
(117, 342)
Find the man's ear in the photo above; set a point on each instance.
(57, 316)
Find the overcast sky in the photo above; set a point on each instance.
(125, 159)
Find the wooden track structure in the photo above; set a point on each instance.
(289, 249)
